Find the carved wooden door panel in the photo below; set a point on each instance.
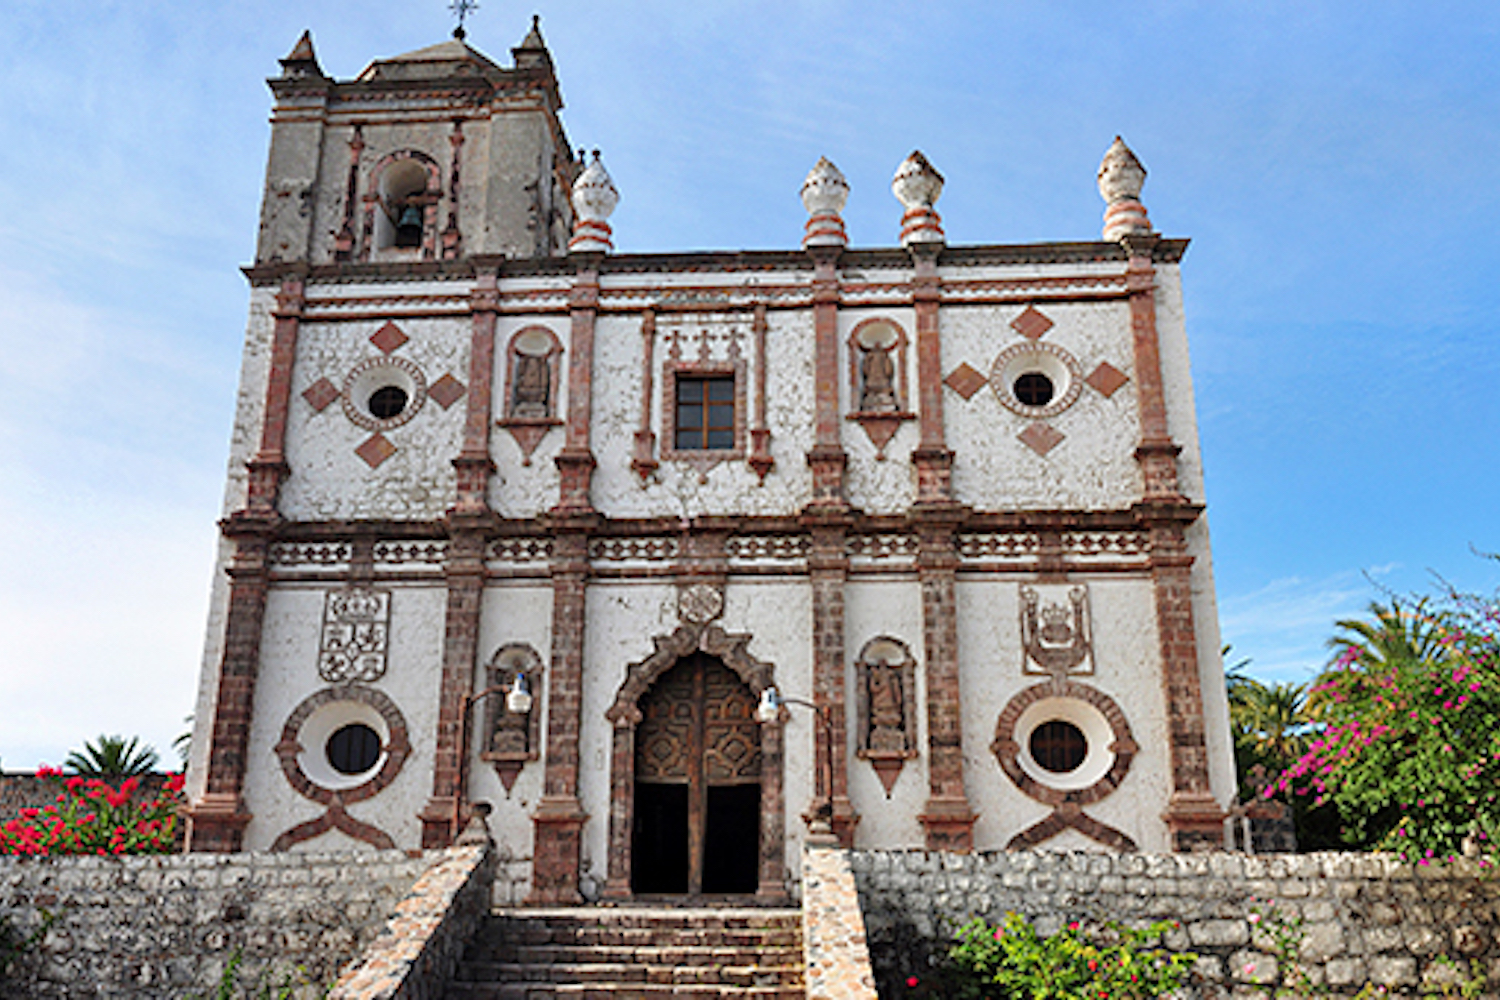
(697, 730)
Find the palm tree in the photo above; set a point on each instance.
(1275, 719)
(112, 757)
(1401, 632)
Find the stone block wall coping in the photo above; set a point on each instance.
(425, 936)
(165, 926)
(833, 929)
(1362, 919)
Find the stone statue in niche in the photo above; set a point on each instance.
(1055, 636)
(877, 390)
(532, 388)
(885, 703)
(887, 718)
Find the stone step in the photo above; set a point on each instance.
(633, 952)
(749, 974)
(616, 991)
(549, 954)
(499, 939)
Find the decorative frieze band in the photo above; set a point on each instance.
(651, 548)
(753, 548)
(991, 545)
(310, 553)
(1106, 543)
(893, 546)
(413, 551)
(519, 550)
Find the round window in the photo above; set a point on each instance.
(387, 402)
(353, 749)
(1036, 380)
(382, 393)
(1058, 746)
(1033, 389)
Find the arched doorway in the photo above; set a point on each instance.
(697, 815)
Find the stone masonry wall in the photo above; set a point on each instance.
(1366, 919)
(162, 928)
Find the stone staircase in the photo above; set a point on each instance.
(633, 953)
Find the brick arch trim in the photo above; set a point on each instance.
(1007, 747)
(625, 714)
(397, 747)
(687, 639)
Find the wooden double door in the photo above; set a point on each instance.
(696, 817)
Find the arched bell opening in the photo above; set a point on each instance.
(697, 803)
(401, 211)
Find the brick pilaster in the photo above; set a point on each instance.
(826, 459)
(474, 466)
(933, 460)
(216, 821)
(575, 461)
(947, 817)
(828, 569)
(1193, 816)
(442, 817)
(268, 469)
(559, 816)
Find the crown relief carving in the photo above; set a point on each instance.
(1056, 638)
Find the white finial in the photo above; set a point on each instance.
(917, 185)
(823, 195)
(594, 198)
(1121, 178)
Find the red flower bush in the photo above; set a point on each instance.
(91, 816)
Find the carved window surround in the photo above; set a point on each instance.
(879, 335)
(529, 420)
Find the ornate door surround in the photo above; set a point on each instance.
(626, 715)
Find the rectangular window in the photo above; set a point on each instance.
(705, 413)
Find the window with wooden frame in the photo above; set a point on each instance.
(704, 413)
(704, 410)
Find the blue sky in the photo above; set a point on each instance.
(1334, 163)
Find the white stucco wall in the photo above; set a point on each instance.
(328, 479)
(289, 674)
(1126, 669)
(1093, 467)
(244, 437)
(891, 608)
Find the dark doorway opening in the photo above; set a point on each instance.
(731, 839)
(696, 826)
(661, 838)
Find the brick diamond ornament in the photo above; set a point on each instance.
(388, 337)
(1040, 438)
(320, 394)
(965, 380)
(375, 450)
(1107, 379)
(446, 391)
(1031, 324)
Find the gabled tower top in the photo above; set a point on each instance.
(302, 61)
(532, 52)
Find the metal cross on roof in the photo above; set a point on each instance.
(462, 9)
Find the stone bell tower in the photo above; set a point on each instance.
(432, 155)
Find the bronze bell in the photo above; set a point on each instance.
(409, 226)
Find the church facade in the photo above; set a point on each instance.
(661, 564)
